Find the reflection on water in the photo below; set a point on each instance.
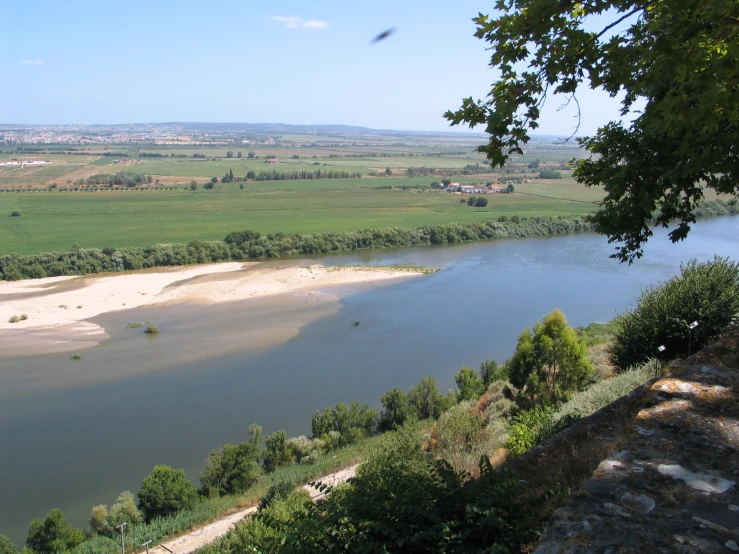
(75, 434)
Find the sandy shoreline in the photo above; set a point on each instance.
(57, 307)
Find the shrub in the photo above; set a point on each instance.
(164, 491)
(151, 329)
(705, 292)
(53, 534)
(279, 490)
(23, 317)
(530, 428)
(481, 202)
(6, 546)
(604, 392)
(133, 325)
(14, 319)
(77, 356)
(15, 214)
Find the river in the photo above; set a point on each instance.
(76, 434)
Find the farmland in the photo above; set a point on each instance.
(58, 210)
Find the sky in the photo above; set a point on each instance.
(255, 61)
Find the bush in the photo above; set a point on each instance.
(279, 490)
(704, 292)
(164, 491)
(14, 319)
(151, 329)
(77, 356)
(15, 214)
(604, 392)
(6, 546)
(53, 534)
(23, 317)
(481, 202)
(530, 428)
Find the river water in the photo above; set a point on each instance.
(76, 434)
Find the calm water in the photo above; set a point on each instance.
(75, 434)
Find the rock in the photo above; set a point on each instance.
(638, 503)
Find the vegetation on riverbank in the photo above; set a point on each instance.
(250, 245)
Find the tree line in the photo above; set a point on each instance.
(244, 245)
(120, 178)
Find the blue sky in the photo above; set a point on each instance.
(300, 62)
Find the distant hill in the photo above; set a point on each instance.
(286, 128)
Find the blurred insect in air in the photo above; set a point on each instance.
(383, 35)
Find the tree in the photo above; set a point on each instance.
(510, 188)
(164, 491)
(250, 155)
(388, 171)
(551, 362)
(446, 181)
(250, 174)
(322, 423)
(481, 202)
(425, 398)
(472, 201)
(469, 383)
(99, 520)
(124, 509)
(705, 292)
(239, 155)
(53, 534)
(396, 409)
(277, 452)
(680, 58)
(209, 185)
(193, 185)
(231, 469)
(534, 164)
(491, 372)
(229, 154)
(6, 546)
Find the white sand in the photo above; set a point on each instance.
(57, 307)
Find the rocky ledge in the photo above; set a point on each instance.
(671, 485)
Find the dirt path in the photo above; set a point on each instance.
(187, 544)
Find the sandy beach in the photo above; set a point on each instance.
(56, 309)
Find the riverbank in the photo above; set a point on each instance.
(50, 315)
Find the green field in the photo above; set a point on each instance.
(54, 219)
(57, 220)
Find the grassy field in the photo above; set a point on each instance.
(57, 220)
(52, 219)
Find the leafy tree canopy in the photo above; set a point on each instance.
(679, 57)
(53, 534)
(551, 362)
(165, 490)
(6, 546)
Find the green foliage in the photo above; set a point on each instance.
(472, 201)
(279, 490)
(14, 319)
(481, 202)
(677, 55)
(490, 372)
(15, 213)
(469, 383)
(461, 437)
(530, 428)
(99, 520)
(6, 546)
(124, 510)
(550, 363)
(53, 534)
(253, 245)
(77, 356)
(231, 469)
(277, 453)
(396, 410)
(164, 491)
(344, 424)
(425, 399)
(549, 174)
(151, 329)
(705, 292)
(602, 393)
